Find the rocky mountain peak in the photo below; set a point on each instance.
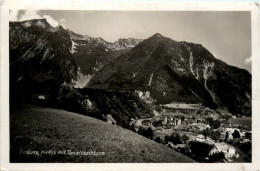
(177, 71)
(36, 23)
(156, 38)
(59, 28)
(157, 35)
(40, 23)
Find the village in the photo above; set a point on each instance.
(197, 131)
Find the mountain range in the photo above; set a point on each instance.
(71, 57)
(43, 57)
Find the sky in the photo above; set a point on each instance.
(227, 35)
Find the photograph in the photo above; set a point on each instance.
(130, 86)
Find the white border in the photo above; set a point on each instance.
(133, 6)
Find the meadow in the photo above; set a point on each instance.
(40, 134)
(247, 121)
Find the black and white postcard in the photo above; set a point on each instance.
(129, 85)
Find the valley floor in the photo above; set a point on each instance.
(52, 135)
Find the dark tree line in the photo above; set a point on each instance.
(121, 105)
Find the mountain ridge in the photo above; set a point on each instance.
(187, 71)
(170, 70)
(36, 40)
(119, 44)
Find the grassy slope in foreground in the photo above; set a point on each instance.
(44, 129)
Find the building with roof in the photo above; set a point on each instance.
(171, 120)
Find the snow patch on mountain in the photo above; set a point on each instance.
(19, 79)
(207, 73)
(35, 49)
(134, 74)
(164, 93)
(248, 96)
(83, 80)
(197, 72)
(191, 62)
(40, 24)
(181, 57)
(27, 24)
(73, 47)
(117, 45)
(177, 67)
(46, 53)
(150, 79)
(158, 35)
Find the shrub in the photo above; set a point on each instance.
(158, 139)
(248, 135)
(167, 139)
(206, 132)
(70, 99)
(216, 124)
(157, 123)
(236, 134)
(184, 138)
(141, 131)
(217, 157)
(175, 138)
(215, 135)
(167, 126)
(149, 133)
(246, 147)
